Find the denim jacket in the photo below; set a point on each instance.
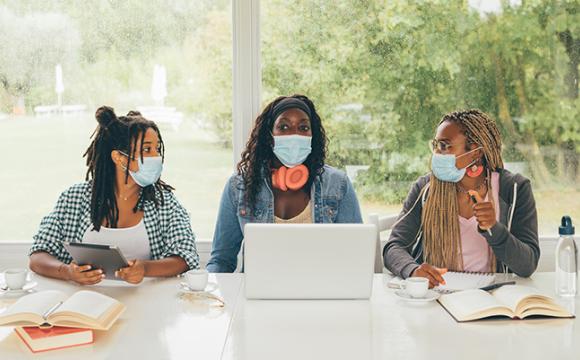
(332, 194)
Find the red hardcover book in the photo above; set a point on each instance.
(57, 337)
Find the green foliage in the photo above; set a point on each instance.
(382, 73)
(30, 44)
(108, 50)
(408, 63)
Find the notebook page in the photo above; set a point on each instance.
(88, 303)
(38, 303)
(464, 281)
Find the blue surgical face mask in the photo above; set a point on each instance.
(149, 172)
(292, 150)
(443, 167)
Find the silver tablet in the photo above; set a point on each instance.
(104, 257)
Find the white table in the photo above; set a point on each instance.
(159, 325)
(388, 328)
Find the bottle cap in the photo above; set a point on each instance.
(567, 228)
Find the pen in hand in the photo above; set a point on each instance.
(475, 202)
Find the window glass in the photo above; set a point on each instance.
(382, 74)
(60, 61)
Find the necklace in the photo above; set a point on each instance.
(461, 189)
(126, 197)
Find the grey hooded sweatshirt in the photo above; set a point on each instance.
(514, 238)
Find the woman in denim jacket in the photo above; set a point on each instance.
(281, 178)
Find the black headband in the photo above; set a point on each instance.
(290, 103)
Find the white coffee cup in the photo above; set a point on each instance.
(15, 278)
(415, 287)
(197, 279)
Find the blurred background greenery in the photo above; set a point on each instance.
(381, 73)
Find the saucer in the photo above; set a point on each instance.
(430, 296)
(211, 286)
(25, 289)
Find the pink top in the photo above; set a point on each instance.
(476, 251)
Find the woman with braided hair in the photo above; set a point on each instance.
(468, 214)
(123, 203)
(282, 178)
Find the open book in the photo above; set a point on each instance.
(84, 309)
(513, 301)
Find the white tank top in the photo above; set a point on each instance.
(132, 241)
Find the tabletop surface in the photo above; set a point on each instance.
(159, 323)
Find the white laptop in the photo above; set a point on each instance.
(309, 261)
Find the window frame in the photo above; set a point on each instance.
(246, 71)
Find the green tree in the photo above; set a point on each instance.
(31, 46)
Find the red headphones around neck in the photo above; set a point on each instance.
(286, 179)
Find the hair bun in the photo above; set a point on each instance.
(134, 113)
(105, 115)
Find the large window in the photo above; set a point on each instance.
(60, 60)
(382, 73)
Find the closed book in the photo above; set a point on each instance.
(57, 337)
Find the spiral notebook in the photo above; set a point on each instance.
(456, 281)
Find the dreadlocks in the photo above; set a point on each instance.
(121, 134)
(440, 223)
(258, 157)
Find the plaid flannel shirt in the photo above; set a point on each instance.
(167, 225)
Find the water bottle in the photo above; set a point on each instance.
(566, 260)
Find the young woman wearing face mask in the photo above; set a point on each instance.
(469, 214)
(122, 203)
(282, 178)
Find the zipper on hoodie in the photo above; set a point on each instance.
(510, 214)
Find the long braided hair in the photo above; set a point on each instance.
(439, 219)
(258, 157)
(117, 133)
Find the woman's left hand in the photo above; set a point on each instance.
(134, 273)
(484, 212)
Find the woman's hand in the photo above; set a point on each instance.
(83, 275)
(434, 274)
(484, 212)
(134, 273)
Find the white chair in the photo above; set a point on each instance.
(383, 223)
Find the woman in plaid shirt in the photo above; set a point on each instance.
(123, 203)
